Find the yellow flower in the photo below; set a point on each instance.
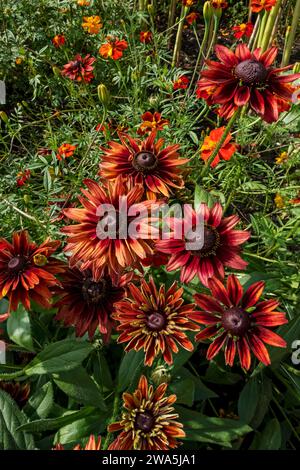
(92, 24)
(282, 158)
(19, 60)
(279, 202)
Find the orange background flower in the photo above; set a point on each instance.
(210, 143)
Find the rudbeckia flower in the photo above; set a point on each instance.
(88, 304)
(155, 320)
(244, 29)
(91, 444)
(148, 162)
(92, 24)
(220, 244)
(113, 253)
(259, 5)
(27, 270)
(210, 143)
(80, 69)
(239, 321)
(243, 77)
(113, 48)
(148, 420)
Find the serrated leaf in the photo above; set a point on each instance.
(19, 328)
(11, 418)
(61, 356)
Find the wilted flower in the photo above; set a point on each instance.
(58, 40)
(155, 320)
(146, 37)
(65, 151)
(220, 244)
(259, 5)
(148, 162)
(80, 69)
(148, 420)
(243, 29)
(243, 78)
(152, 121)
(22, 275)
(238, 321)
(192, 17)
(219, 4)
(92, 24)
(210, 143)
(113, 48)
(181, 83)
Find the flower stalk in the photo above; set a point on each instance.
(177, 47)
(113, 419)
(270, 25)
(290, 38)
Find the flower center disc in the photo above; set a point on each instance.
(17, 263)
(144, 421)
(211, 241)
(251, 71)
(144, 161)
(236, 321)
(156, 321)
(93, 291)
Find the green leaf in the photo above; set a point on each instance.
(248, 400)
(270, 438)
(289, 332)
(202, 196)
(78, 385)
(198, 390)
(19, 328)
(61, 356)
(130, 369)
(40, 404)
(184, 390)
(47, 180)
(201, 428)
(83, 427)
(51, 424)
(10, 419)
(3, 306)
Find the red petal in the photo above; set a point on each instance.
(259, 349)
(270, 337)
(244, 353)
(215, 346)
(234, 289)
(253, 294)
(219, 291)
(242, 96)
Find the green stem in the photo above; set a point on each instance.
(291, 36)
(200, 53)
(270, 25)
(262, 28)
(221, 142)
(213, 40)
(13, 375)
(254, 34)
(172, 11)
(177, 46)
(112, 420)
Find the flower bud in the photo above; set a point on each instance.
(207, 12)
(4, 117)
(150, 8)
(56, 71)
(160, 375)
(296, 68)
(103, 95)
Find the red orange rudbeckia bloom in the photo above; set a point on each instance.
(92, 444)
(148, 421)
(221, 244)
(147, 162)
(65, 151)
(210, 143)
(259, 5)
(113, 48)
(244, 29)
(27, 270)
(80, 69)
(155, 320)
(244, 78)
(108, 254)
(88, 304)
(152, 121)
(238, 321)
(58, 40)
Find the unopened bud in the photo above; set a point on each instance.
(150, 8)
(161, 375)
(4, 116)
(56, 71)
(207, 12)
(296, 68)
(103, 95)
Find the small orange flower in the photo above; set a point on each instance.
(259, 5)
(146, 37)
(244, 29)
(22, 178)
(92, 444)
(192, 17)
(181, 83)
(219, 4)
(296, 200)
(65, 151)
(58, 40)
(113, 48)
(188, 3)
(151, 122)
(92, 24)
(210, 143)
(83, 3)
